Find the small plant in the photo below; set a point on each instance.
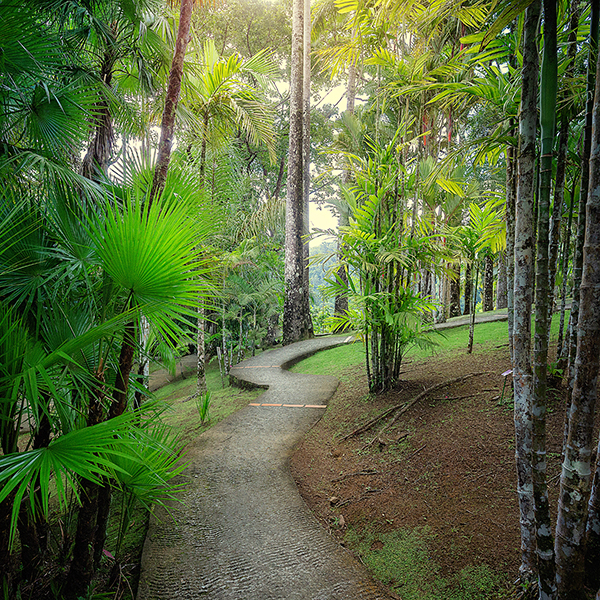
(203, 405)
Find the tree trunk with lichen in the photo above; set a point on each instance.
(576, 476)
(295, 319)
(488, 283)
(523, 286)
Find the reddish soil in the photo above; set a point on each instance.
(448, 462)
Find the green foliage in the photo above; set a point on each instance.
(384, 251)
(203, 406)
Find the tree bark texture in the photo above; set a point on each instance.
(96, 161)
(576, 477)
(468, 289)
(501, 286)
(167, 127)
(455, 293)
(584, 187)
(549, 76)
(201, 354)
(306, 79)
(294, 319)
(523, 285)
(488, 284)
(592, 555)
(561, 160)
(511, 197)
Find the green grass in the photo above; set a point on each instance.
(184, 417)
(488, 336)
(328, 362)
(405, 564)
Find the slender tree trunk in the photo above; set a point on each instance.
(455, 293)
(549, 77)
(501, 289)
(585, 177)
(576, 477)
(592, 555)
(340, 305)
(82, 566)
(167, 127)
(96, 161)
(306, 80)
(201, 355)
(523, 285)
(561, 162)
(472, 312)
(468, 289)
(294, 317)
(488, 284)
(511, 196)
(561, 343)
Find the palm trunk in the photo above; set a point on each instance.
(201, 355)
(523, 284)
(472, 319)
(561, 161)
(511, 195)
(501, 289)
(455, 293)
(592, 554)
(585, 177)
(167, 127)
(488, 284)
(543, 525)
(468, 289)
(562, 352)
(306, 79)
(294, 319)
(576, 477)
(340, 305)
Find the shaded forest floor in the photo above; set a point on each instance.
(429, 504)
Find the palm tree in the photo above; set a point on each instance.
(296, 314)
(483, 233)
(227, 95)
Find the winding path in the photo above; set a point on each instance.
(241, 530)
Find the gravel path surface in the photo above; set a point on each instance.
(241, 530)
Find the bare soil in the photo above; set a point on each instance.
(447, 463)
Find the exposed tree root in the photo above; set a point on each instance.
(405, 406)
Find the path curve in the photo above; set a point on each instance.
(241, 530)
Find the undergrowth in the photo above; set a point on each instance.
(401, 560)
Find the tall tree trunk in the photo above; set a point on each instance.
(592, 554)
(167, 127)
(585, 177)
(549, 84)
(455, 293)
(306, 79)
(468, 289)
(340, 305)
(511, 197)
(294, 318)
(523, 285)
(501, 288)
(561, 161)
(562, 343)
(488, 284)
(576, 477)
(200, 354)
(96, 161)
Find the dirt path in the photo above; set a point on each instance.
(241, 530)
